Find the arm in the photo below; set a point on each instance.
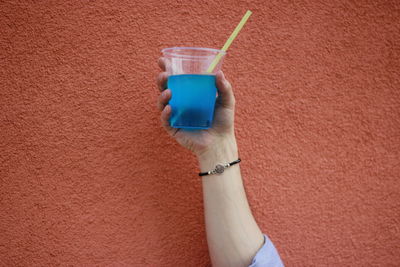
(233, 235)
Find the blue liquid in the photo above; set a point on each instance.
(193, 100)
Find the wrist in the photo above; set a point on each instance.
(223, 150)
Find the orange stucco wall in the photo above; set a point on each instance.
(88, 177)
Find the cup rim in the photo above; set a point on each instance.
(169, 51)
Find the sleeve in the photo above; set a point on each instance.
(267, 256)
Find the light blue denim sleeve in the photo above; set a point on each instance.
(267, 256)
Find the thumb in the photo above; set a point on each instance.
(225, 92)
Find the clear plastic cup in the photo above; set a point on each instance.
(193, 89)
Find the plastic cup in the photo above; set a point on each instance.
(193, 88)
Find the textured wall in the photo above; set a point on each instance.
(88, 176)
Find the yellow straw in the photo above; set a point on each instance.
(229, 41)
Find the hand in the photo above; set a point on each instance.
(201, 141)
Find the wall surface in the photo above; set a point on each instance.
(89, 178)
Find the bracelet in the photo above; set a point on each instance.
(220, 168)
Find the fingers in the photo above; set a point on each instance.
(225, 92)
(162, 63)
(165, 114)
(163, 99)
(162, 77)
(162, 81)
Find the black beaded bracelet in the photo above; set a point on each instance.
(220, 168)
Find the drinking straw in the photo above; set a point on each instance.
(229, 41)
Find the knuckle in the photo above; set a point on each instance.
(228, 85)
(160, 77)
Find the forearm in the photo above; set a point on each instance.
(233, 235)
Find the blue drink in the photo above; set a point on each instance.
(193, 100)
